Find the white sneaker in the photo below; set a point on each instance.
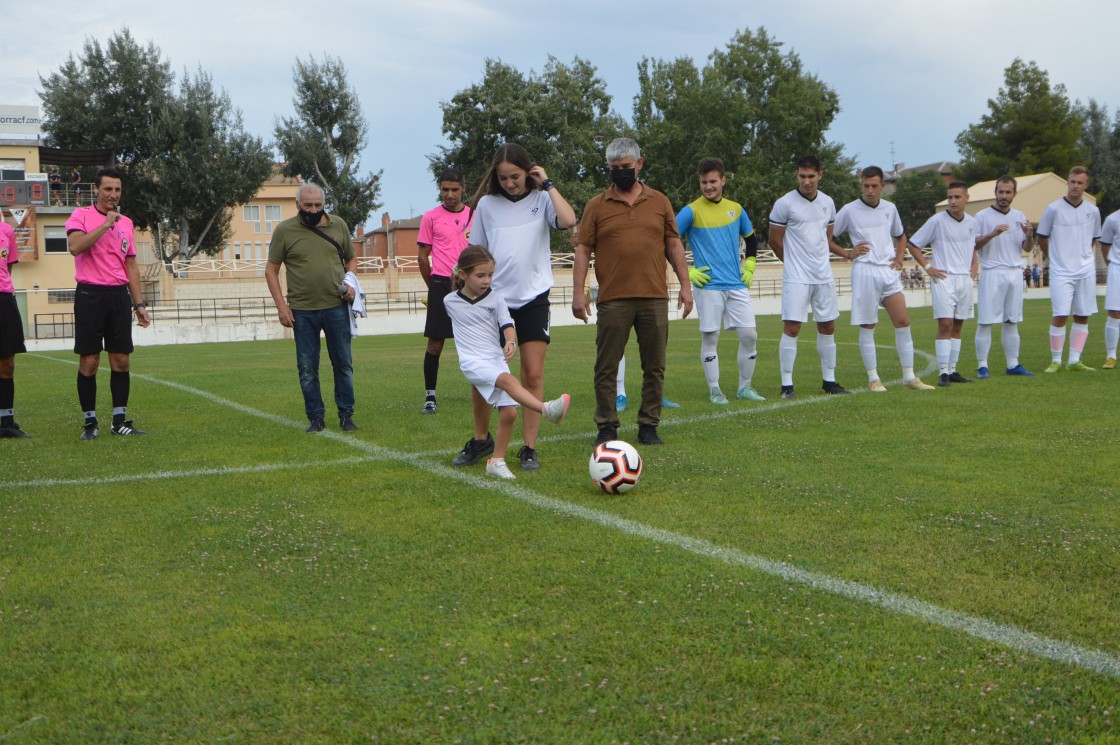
(497, 467)
(876, 386)
(555, 410)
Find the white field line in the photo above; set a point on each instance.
(1006, 635)
(222, 471)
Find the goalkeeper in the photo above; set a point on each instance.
(713, 226)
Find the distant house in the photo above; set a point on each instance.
(394, 241)
(943, 167)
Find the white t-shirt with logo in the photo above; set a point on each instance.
(517, 234)
(1072, 231)
(879, 227)
(806, 240)
(1005, 251)
(953, 241)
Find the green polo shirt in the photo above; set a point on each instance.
(312, 263)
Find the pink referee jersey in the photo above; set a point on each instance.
(9, 255)
(446, 233)
(104, 263)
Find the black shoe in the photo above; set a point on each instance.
(528, 458)
(316, 425)
(647, 435)
(12, 430)
(125, 428)
(474, 451)
(606, 434)
(89, 430)
(832, 388)
(956, 377)
(787, 393)
(943, 380)
(346, 424)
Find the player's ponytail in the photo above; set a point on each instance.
(471, 257)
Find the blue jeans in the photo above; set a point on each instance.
(334, 323)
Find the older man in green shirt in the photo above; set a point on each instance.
(316, 250)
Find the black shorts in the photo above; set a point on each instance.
(532, 320)
(102, 314)
(11, 327)
(438, 324)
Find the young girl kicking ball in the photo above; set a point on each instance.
(476, 313)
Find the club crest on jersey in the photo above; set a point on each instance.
(534, 210)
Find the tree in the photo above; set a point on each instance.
(751, 105)
(916, 195)
(205, 164)
(562, 116)
(186, 158)
(323, 142)
(1030, 127)
(1100, 139)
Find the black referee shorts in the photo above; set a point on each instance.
(102, 319)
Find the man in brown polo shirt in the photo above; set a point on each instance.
(632, 230)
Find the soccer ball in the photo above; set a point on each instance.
(615, 466)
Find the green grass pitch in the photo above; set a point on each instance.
(912, 566)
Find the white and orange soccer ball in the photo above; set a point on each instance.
(615, 466)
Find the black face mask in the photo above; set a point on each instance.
(310, 219)
(624, 178)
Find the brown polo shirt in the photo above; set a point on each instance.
(628, 242)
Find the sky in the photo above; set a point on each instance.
(911, 74)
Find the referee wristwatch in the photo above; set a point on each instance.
(139, 305)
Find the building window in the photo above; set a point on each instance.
(54, 240)
(12, 169)
(253, 215)
(271, 217)
(60, 296)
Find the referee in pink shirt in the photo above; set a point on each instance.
(103, 245)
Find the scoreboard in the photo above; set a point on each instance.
(23, 193)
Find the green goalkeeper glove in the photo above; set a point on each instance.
(748, 271)
(697, 275)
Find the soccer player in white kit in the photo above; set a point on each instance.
(802, 222)
(1109, 233)
(1003, 233)
(1070, 226)
(952, 268)
(878, 245)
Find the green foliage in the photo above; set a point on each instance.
(561, 116)
(205, 164)
(293, 588)
(186, 158)
(324, 140)
(916, 195)
(1100, 139)
(751, 105)
(1030, 127)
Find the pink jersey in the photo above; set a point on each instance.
(9, 254)
(104, 263)
(446, 233)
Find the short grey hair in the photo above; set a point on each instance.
(309, 187)
(621, 148)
